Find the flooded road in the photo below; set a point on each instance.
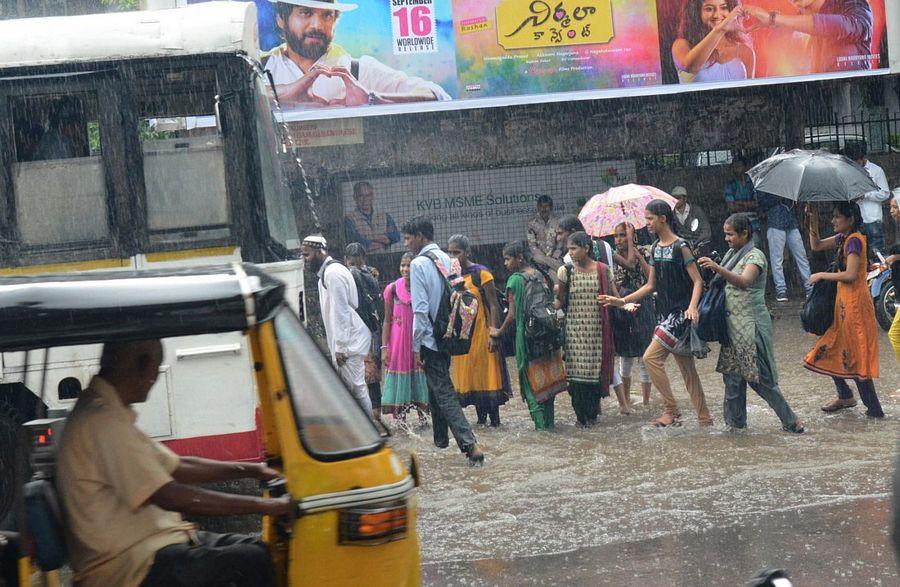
(624, 503)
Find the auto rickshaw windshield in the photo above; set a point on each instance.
(332, 425)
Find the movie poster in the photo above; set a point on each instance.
(326, 54)
(512, 48)
(731, 41)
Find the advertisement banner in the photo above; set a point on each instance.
(338, 55)
(335, 59)
(543, 47)
(490, 206)
(731, 41)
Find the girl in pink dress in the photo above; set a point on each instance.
(404, 386)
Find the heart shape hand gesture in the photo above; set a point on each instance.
(300, 91)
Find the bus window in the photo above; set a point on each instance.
(184, 159)
(279, 208)
(58, 175)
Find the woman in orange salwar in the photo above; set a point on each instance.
(480, 376)
(849, 349)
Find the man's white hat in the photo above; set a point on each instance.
(316, 241)
(324, 4)
(679, 191)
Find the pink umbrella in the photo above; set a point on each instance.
(624, 203)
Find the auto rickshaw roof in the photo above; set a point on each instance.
(88, 308)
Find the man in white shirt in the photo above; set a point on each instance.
(686, 213)
(348, 336)
(870, 206)
(309, 69)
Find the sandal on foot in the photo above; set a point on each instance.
(666, 420)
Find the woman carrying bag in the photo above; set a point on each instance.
(748, 357)
(849, 348)
(676, 280)
(542, 378)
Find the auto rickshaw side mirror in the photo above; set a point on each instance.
(414, 467)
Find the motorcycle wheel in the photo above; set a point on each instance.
(885, 307)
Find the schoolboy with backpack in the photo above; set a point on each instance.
(440, 316)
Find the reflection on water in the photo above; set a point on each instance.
(623, 482)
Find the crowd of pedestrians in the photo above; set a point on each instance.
(616, 305)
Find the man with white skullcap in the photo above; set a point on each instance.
(348, 336)
(309, 69)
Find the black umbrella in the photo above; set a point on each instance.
(812, 176)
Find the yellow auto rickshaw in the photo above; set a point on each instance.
(355, 498)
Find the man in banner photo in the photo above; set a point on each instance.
(310, 70)
(840, 31)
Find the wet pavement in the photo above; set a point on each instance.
(627, 504)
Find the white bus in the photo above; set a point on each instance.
(142, 140)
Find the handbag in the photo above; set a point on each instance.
(712, 326)
(680, 337)
(817, 314)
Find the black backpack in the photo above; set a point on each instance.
(543, 334)
(368, 294)
(454, 324)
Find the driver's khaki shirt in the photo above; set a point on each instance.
(106, 470)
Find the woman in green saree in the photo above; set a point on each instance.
(540, 379)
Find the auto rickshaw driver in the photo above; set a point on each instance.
(123, 493)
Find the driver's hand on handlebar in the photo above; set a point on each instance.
(280, 506)
(265, 473)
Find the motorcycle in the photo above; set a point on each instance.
(883, 292)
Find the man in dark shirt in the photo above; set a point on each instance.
(841, 31)
(740, 196)
(783, 229)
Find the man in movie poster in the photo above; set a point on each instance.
(309, 69)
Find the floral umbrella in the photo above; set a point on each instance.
(624, 203)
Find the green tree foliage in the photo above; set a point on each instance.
(121, 4)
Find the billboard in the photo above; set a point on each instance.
(511, 48)
(332, 59)
(730, 41)
(490, 206)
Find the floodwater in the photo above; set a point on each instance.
(627, 504)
